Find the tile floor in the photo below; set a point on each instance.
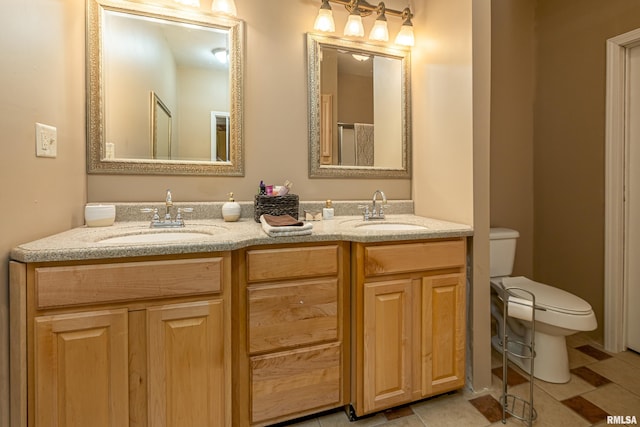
(601, 384)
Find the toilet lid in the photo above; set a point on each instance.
(547, 296)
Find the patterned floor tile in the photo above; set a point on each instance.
(590, 350)
(586, 409)
(593, 378)
(489, 407)
(513, 378)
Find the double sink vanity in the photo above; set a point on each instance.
(219, 324)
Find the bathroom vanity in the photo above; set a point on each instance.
(232, 327)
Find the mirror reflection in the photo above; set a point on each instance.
(359, 124)
(191, 64)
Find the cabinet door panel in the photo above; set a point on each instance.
(292, 314)
(443, 321)
(289, 382)
(81, 373)
(186, 365)
(387, 353)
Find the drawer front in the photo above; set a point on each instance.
(289, 315)
(411, 257)
(290, 263)
(295, 382)
(100, 283)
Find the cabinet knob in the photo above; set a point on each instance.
(301, 302)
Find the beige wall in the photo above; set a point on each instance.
(569, 141)
(512, 95)
(41, 80)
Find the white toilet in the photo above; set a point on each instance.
(558, 314)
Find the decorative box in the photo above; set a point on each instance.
(276, 205)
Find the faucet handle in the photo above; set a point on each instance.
(366, 214)
(180, 210)
(156, 217)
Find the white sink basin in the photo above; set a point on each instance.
(389, 226)
(157, 237)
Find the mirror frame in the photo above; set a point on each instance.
(315, 42)
(96, 149)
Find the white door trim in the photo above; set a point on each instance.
(615, 134)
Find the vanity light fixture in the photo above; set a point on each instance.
(405, 36)
(228, 7)
(359, 8)
(380, 30)
(354, 25)
(324, 20)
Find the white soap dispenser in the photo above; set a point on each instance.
(327, 211)
(231, 210)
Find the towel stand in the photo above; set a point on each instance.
(513, 405)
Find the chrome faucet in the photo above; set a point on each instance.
(375, 213)
(168, 222)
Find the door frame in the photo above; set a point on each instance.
(615, 178)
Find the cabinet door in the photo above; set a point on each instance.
(387, 346)
(443, 333)
(187, 365)
(81, 374)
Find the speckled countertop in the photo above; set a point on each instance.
(209, 235)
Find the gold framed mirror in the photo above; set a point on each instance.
(174, 53)
(359, 109)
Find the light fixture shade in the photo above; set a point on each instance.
(354, 26)
(228, 7)
(405, 36)
(380, 31)
(221, 54)
(324, 21)
(195, 3)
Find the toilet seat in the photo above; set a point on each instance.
(548, 297)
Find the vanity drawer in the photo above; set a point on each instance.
(289, 315)
(411, 257)
(101, 283)
(295, 382)
(290, 263)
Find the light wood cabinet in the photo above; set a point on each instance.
(290, 357)
(408, 312)
(114, 343)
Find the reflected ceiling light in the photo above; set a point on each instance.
(405, 36)
(354, 28)
(360, 58)
(221, 54)
(228, 7)
(380, 31)
(195, 3)
(324, 20)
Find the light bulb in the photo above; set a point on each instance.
(324, 21)
(228, 7)
(405, 36)
(380, 31)
(354, 26)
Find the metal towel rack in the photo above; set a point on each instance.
(524, 302)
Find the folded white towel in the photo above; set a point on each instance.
(298, 230)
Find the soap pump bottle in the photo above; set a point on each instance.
(327, 211)
(231, 210)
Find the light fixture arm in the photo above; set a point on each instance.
(367, 8)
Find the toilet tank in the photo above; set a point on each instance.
(502, 250)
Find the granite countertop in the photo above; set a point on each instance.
(210, 235)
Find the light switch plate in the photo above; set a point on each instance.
(46, 141)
